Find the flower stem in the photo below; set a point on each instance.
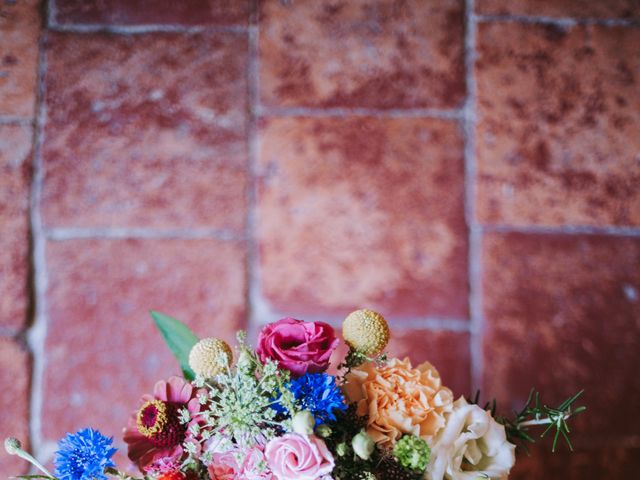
(532, 423)
(14, 447)
(541, 421)
(117, 473)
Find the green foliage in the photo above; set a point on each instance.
(179, 338)
(412, 452)
(30, 477)
(536, 414)
(348, 465)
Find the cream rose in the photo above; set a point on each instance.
(472, 444)
(399, 399)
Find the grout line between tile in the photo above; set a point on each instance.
(449, 114)
(476, 324)
(10, 120)
(435, 324)
(563, 230)
(259, 309)
(73, 233)
(8, 332)
(396, 323)
(36, 334)
(141, 29)
(273, 314)
(252, 91)
(52, 10)
(566, 22)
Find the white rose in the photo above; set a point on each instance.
(472, 445)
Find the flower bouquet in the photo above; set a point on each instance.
(274, 413)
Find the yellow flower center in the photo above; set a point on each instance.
(152, 418)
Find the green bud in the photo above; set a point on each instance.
(363, 445)
(341, 449)
(323, 430)
(12, 445)
(412, 452)
(245, 363)
(366, 476)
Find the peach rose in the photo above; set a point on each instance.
(399, 399)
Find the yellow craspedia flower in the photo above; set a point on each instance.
(210, 357)
(366, 331)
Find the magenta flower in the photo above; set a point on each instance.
(297, 346)
(154, 433)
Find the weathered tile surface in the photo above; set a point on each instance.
(593, 464)
(145, 131)
(102, 350)
(15, 162)
(15, 379)
(562, 315)
(358, 53)
(447, 351)
(562, 8)
(362, 212)
(154, 12)
(19, 32)
(558, 135)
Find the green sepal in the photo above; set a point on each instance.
(180, 339)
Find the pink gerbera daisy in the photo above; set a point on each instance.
(154, 433)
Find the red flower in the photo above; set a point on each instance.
(172, 476)
(177, 475)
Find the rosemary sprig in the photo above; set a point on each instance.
(537, 414)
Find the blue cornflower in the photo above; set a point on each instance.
(318, 393)
(84, 456)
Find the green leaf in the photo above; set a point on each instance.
(179, 338)
(29, 477)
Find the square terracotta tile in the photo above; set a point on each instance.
(583, 464)
(358, 53)
(558, 132)
(145, 131)
(102, 349)
(562, 8)
(15, 386)
(155, 12)
(15, 177)
(362, 211)
(446, 350)
(562, 315)
(19, 33)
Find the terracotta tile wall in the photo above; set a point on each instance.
(471, 169)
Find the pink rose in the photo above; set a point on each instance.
(297, 346)
(254, 466)
(224, 466)
(298, 457)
